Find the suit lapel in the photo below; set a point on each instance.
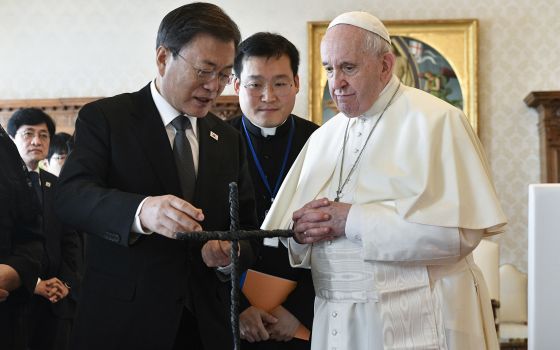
(209, 148)
(46, 187)
(154, 141)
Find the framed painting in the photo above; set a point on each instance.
(438, 56)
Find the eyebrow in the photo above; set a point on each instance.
(214, 65)
(33, 128)
(256, 76)
(340, 64)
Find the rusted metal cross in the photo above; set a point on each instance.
(234, 235)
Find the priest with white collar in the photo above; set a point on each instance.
(267, 81)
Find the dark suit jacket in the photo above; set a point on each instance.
(271, 260)
(133, 293)
(63, 251)
(20, 240)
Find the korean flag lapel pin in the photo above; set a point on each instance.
(214, 135)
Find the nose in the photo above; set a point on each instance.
(213, 84)
(36, 139)
(267, 93)
(338, 80)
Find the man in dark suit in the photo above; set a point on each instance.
(267, 82)
(135, 178)
(53, 306)
(20, 244)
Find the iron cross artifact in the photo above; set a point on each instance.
(234, 235)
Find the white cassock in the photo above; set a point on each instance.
(422, 198)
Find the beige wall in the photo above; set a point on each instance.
(70, 48)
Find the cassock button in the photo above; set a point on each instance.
(334, 314)
(334, 332)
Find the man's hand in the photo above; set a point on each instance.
(52, 289)
(9, 278)
(168, 215)
(3, 295)
(216, 253)
(253, 323)
(285, 328)
(320, 220)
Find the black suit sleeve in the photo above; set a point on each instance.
(71, 254)
(84, 196)
(25, 258)
(20, 239)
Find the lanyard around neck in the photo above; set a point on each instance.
(258, 163)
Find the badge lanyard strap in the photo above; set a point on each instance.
(258, 163)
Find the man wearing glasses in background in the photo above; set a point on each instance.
(267, 81)
(149, 164)
(53, 304)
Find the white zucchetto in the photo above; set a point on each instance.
(363, 20)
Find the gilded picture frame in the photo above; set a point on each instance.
(447, 49)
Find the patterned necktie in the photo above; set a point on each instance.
(183, 157)
(34, 176)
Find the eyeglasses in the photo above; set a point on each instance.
(29, 135)
(280, 88)
(206, 75)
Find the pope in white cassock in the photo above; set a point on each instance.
(387, 200)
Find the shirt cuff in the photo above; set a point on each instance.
(136, 225)
(297, 248)
(226, 270)
(352, 229)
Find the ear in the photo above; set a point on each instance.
(236, 85)
(296, 82)
(162, 57)
(388, 63)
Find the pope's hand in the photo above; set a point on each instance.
(320, 220)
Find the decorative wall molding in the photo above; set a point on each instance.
(547, 103)
(64, 111)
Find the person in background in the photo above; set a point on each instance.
(21, 248)
(145, 166)
(58, 151)
(267, 81)
(53, 306)
(387, 201)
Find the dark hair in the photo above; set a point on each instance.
(267, 45)
(29, 116)
(59, 144)
(182, 25)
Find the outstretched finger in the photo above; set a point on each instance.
(187, 208)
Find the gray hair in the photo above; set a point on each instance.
(376, 44)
